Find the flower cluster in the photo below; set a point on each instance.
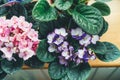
(59, 44)
(17, 37)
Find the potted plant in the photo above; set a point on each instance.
(63, 33)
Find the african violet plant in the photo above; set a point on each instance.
(63, 33)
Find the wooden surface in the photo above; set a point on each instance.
(112, 35)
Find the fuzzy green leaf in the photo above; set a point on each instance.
(34, 62)
(80, 72)
(99, 48)
(12, 66)
(88, 18)
(65, 78)
(56, 70)
(111, 53)
(43, 11)
(102, 7)
(17, 10)
(63, 4)
(26, 1)
(3, 75)
(3, 11)
(42, 52)
(103, 0)
(105, 28)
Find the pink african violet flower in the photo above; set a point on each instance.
(26, 53)
(17, 37)
(33, 35)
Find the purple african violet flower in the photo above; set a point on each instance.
(58, 40)
(66, 54)
(52, 48)
(95, 38)
(76, 33)
(50, 37)
(92, 55)
(61, 32)
(86, 40)
(62, 60)
(71, 49)
(81, 53)
(63, 46)
(86, 56)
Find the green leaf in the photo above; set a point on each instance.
(43, 11)
(104, 29)
(17, 10)
(3, 11)
(88, 18)
(3, 75)
(74, 43)
(80, 72)
(42, 52)
(99, 47)
(1, 53)
(65, 78)
(102, 7)
(26, 1)
(29, 7)
(103, 0)
(56, 70)
(1, 2)
(47, 27)
(83, 1)
(12, 66)
(63, 4)
(111, 53)
(34, 62)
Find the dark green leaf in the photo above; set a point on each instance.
(102, 7)
(63, 4)
(103, 0)
(80, 72)
(99, 47)
(26, 1)
(1, 2)
(3, 11)
(56, 70)
(29, 8)
(43, 11)
(65, 78)
(83, 1)
(0, 68)
(104, 29)
(112, 53)
(88, 18)
(47, 27)
(42, 52)
(34, 62)
(1, 53)
(3, 75)
(17, 10)
(12, 66)
(74, 43)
